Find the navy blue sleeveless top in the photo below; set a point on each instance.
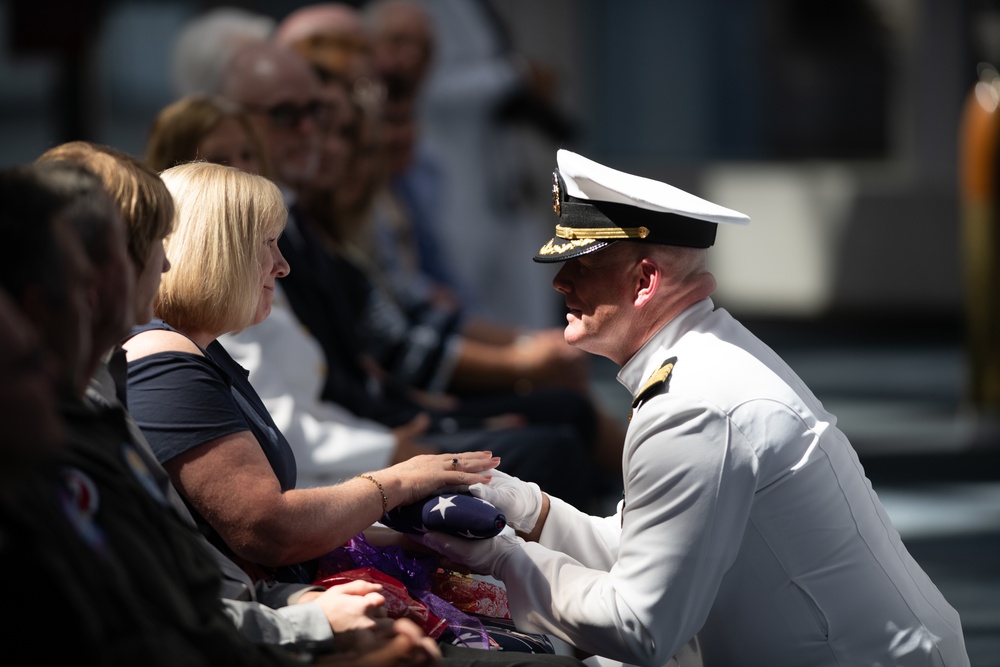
(182, 401)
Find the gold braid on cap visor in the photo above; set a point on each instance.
(595, 233)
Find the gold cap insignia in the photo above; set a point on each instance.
(553, 248)
(556, 194)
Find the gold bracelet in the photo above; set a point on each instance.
(385, 501)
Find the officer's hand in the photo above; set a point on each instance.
(482, 556)
(520, 502)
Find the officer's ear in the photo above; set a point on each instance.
(648, 277)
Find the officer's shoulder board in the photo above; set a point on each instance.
(657, 383)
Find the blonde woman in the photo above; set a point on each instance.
(204, 420)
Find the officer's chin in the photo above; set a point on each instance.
(573, 333)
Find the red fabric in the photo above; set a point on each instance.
(398, 602)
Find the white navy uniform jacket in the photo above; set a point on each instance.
(746, 519)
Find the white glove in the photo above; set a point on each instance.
(520, 502)
(482, 556)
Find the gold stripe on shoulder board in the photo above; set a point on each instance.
(659, 377)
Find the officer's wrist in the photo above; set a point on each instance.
(507, 547)
(536, 530)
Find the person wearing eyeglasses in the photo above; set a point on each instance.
(548, 435)
(281, 93)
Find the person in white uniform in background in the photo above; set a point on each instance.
(747, 520)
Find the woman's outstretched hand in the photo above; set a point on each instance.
(421, 476)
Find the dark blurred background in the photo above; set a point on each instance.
(835, 125)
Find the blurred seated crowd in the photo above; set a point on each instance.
(224, 361)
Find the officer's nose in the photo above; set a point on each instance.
(561, 282)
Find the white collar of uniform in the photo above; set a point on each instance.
(649, 357)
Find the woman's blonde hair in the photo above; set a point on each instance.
(180, 127)
(142, 199)
(225, 218)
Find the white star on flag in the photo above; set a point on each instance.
(444, 502)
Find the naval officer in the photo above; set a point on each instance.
(747, 523)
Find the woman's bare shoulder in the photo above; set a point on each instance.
(159, 340)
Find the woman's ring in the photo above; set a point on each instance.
(454, 464)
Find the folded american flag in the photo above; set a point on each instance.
(459, 514)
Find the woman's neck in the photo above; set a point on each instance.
(202, 338)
